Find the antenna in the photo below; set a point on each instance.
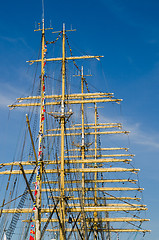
(42, 9)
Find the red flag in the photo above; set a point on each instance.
(40, 152)
(42, 118)
(31, 231)
(31, 238)
(35, 193)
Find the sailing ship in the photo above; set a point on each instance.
(68, 182)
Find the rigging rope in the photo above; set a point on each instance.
(12, 226)
(72, 54)
(54, 203)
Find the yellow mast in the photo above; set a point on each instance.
(40, 148)
(95, 174)
(83, 154)
(62, 181)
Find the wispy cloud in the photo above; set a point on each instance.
(8, 94)
(14, 40)
(4, 101)
(137, 135)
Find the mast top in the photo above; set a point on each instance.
(42, 10)
(63, 27)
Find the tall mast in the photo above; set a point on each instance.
(40, 147)
(95, 174)
(62, 203)
(83, 143)
(83, 153)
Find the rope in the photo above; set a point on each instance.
(72, 54)
(12, 226)
(54, 203)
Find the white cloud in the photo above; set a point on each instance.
(4, 101)
(136, 135)
(8, 94)
(15, 41)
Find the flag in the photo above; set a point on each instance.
(31, 238)
(35, 189)
(31, 231)
(42, 118)
(34, 206)
(40, 152)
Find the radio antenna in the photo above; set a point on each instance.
(42, 9)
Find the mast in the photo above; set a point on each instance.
(40, 147)
(62, 203)
(83, 153)
(95, 174)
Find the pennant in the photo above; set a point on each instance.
(40, 152)
(31, 231)
(35, 189)
(38, 177)
(42, 118)
(38, 170)
(34, 208)
(31, 238)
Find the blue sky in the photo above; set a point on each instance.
(127, 34)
